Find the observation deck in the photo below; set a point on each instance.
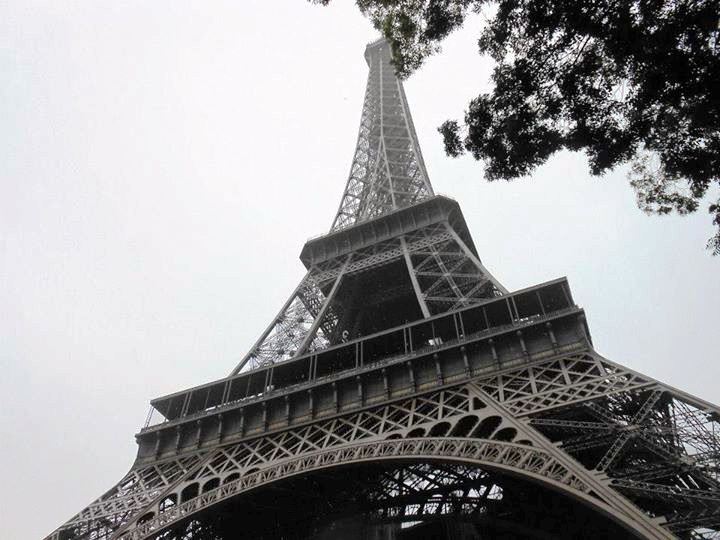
(521, 327)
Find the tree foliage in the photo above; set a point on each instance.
(633, 81)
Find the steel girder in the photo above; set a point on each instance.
(659, 446)
(387, 170)
(514, 420)
(646, 454)
(447, 274)
(443, 271)
(453, 498)
(387, 173)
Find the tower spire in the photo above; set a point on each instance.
(390, 223)
(399, 357)
(387, 171)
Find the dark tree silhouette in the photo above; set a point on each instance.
(634, 81)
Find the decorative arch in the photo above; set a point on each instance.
(532, 463)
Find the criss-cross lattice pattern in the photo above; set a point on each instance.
(590, 396)
(305, 321)
(648, 451)
(448, 276)
(622, 444)
(407, 493)
(660, 447)
(441, 416)
(387, 174)
(430, 500)
(547, 385)
(138, 488)
(387, 171)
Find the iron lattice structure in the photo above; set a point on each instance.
(401, 392)
(387, 171)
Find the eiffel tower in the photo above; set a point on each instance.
(402, 393)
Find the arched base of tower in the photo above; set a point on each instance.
(399, 501)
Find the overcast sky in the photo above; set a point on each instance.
(161, 165)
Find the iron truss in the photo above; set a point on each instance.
(387, 170)
(440, 500)
(625, 444)
(444, 273)
(387, 174)
(520, 428)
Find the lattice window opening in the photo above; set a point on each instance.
(571, 379)
(290, 329)
(376, 249)
(369, 424)
(321, 272)
(425, 477)
(249, 457)
(699, 429)
(104, 515)
(683, 432)
(655, 437)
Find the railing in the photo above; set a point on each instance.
(492, 318)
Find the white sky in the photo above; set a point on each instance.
(161, 165)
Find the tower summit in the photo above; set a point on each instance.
(387, 171)
(401, 392)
